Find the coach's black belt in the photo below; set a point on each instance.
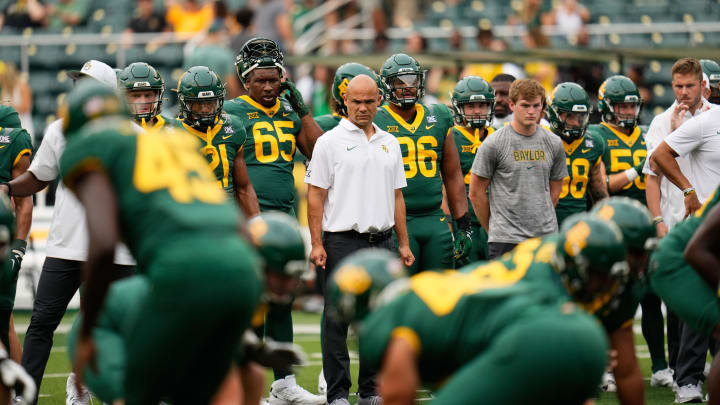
(371, 237)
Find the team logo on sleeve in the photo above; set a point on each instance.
(253, 115)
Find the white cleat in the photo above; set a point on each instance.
(287, 392)
(73, 396)
(322, 384)
(689, 393)
(608, 382)
(662, 378)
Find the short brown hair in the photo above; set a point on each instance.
(688, 66)
(526, 89)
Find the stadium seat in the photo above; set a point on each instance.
(662, 95)
(47, 56)
(167, 55)
(658, 72)
(10, 54)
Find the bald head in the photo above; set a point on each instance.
(362, 99)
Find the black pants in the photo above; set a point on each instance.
(333, 338)
(692, 354)
(497, 249)
(58, 283)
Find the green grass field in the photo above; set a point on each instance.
(52, 391)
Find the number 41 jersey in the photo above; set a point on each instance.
(164, 188)
(269, 150)
(421, 143)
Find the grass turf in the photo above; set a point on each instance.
(52, 391)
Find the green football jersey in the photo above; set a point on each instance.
(328, 121)
(220, 145)
(270, 149)
(531, 262)
(421, 142)
(467, 144)
(449, 318)
(581, 156)
(14, 144)
(165, 192)
(622, 152)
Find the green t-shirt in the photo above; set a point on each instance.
(449, 318)
(467, 144)
(581, 156)
(270, 149)
(14, 144)
(622, 152)
(421, 143)
(164, 190)
(76, 8)
(328, 121)
(220, 145)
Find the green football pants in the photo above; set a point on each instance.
(431, 242)
(526, 361)
(203, 295)
(683, 290)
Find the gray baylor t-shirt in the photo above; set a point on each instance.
(520, 169)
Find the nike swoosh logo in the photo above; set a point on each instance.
(2, 146)
(642, 142)
(585, 150)
(442, 219)
(429, 126)
(351, 148)
(530, 167)
(226, 137)
(285, 114)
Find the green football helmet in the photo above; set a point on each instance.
(258, 53)
(573, 100)
(473, 89)
(633, 219)
(712, 70)
(200, 85)
(343, 75)
(402, 68)
(590, 249)
(89, 100)
(141, 76)
(616, 90)
(278, 239)
(7, 226)
(354, 288)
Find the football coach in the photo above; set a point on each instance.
(354, 202)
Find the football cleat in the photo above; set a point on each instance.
(608, 382)
(372, 400)
(286, 391)
(73, 396)
(662, 378)
(322, 384)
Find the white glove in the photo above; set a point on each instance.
(14, 376)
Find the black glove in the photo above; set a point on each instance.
(278, 356)
(295, 98)
(463, 239)
(17, 254)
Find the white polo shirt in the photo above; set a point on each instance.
(672, 202)
(361, 177)
(699, 140)
(68, 236)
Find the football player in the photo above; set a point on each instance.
(277, 238)
(568, 115)
(343, 75)
(692, 295)
(431, 162)
(201, 94)
(712, 70)
(619, 103)
(702, 253)
(12, 375)
(532, 261)
(473, 104)
(442, 330)
(275, 124)
(144, 88)
(156, 192)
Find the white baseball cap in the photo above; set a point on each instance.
(707, 81)
(98, 71)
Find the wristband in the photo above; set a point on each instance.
(688, 191)
(631, 174)
(657, 220)
(464, 222)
